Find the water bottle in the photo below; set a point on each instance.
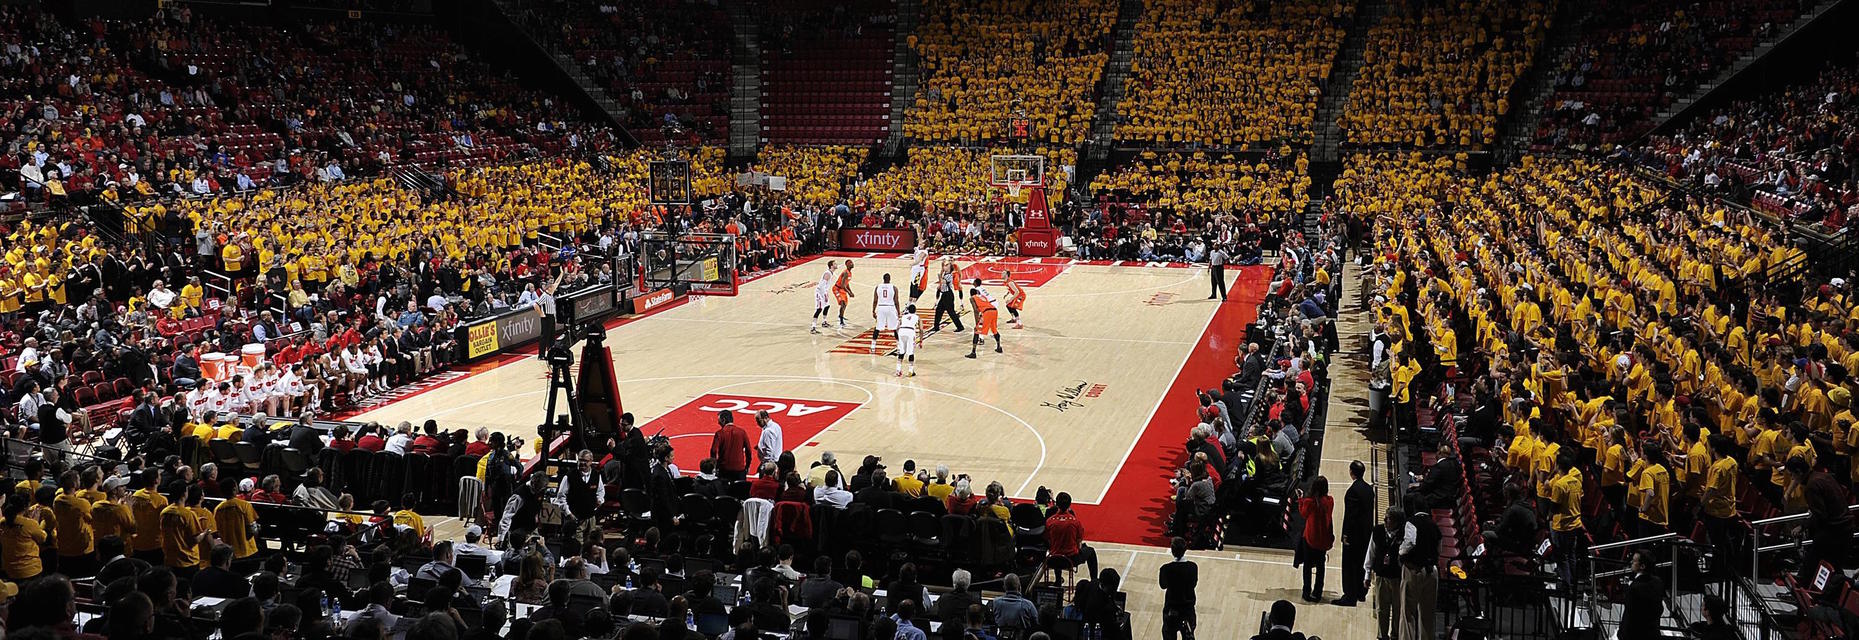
(335, 613)
(326, 610)
(690, 620)
(629, 581)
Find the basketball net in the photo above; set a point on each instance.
(1013, 189)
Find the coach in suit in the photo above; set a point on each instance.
(1358, 526)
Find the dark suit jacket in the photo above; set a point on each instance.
(1645, 604)
(1359, 512)
(1442, 484)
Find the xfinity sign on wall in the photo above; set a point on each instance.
(877, 239)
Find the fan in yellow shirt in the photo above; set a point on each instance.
(76, 546)
(20, 537)
(234, 518)
(181, 531)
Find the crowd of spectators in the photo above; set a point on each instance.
(981, 62)
(663, 61)
(1791, 153)
(1441, 74)
(816, 176)
(1246, 457)
(178, 104)
(290, 552)
(1201, 182)
(1229, 74)
(1627, 372)
(1634, 58)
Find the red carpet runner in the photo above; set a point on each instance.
(1138, 502)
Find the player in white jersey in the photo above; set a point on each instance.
(919, 272)
(884, 309)
(822, 297)
(908, 328)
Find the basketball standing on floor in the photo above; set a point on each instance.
(842, 291)
(1016, 297)
(907, 331)
(822, 302)
(883, 309)
(987, 317)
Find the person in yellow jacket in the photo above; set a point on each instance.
(77, 547)
(1654, 486)
(20, 537)
(110, 516)
(234, 518)
(233, 256)
(181, 530)
(1566, 534)
(145, 508)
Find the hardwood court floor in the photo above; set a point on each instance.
(1062, 407)
(1139, 331)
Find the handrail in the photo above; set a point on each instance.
(1756, 548)
(1634, 542)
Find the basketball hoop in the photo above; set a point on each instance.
(1013, 189)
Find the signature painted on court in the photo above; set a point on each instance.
(792, 288)
(1068, 397)
(1160, 299)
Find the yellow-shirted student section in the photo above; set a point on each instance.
(315, 231)
(941, 177)
(816, 175)
(980, 59)
(1597, 249)
(1229, 74)
(1439, 74)
(1202, 182)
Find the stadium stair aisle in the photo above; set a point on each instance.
(1116, 74)
(1535, 89)
(1346, 436)
(1343, 77)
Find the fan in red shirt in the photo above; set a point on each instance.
(428, 442)
(371, 440)
(1313, 548)
(765, 485)
(340, 440)
(482, 445)
(730, 448)
(1065, 534)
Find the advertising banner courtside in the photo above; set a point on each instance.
(862, 239)
(652, 299)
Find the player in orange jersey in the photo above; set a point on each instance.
(987, 317)
(842, 291)
(1016, 297)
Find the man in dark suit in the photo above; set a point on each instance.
(305, 437)
(1280, 619)
(1358, 525)
(1443, 483)
(1645, 600)
(1178, 579)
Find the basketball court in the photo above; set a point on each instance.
(1064, 407)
